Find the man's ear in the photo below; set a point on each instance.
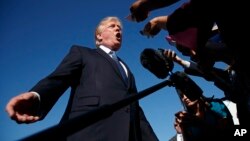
(99, 37)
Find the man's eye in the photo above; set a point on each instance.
(111, 26)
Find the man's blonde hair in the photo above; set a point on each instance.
(103, 22)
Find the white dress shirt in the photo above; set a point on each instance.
(107, 50)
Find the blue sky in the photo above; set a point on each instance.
(36, 34)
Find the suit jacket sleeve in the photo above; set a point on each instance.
(54, 85)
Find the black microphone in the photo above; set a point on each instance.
(156, 62)
(182, 82)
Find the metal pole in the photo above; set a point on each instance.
(73, 125)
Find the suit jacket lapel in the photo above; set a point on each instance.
(113, 64)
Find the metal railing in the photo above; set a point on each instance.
(75, 124)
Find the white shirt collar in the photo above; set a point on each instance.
(105, 49)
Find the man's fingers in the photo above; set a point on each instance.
(10, 107)
(24, 118)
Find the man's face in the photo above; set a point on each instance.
(111, 35)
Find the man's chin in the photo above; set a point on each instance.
(118, 45)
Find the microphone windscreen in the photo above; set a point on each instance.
(154, 61)
(186, 85)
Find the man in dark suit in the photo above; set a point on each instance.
(95, 80)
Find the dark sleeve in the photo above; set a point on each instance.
(54, 85)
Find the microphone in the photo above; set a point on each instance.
(156, 62)
(161, 66)
(182, 82)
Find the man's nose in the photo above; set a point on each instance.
(117, 28)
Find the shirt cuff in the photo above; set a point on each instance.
(40, 113)
(190, 65)
(186, 64)
(37, 94)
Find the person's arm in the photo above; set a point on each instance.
(184, 63)
(154, 26)
(34, 105)
(141, 8)
(66, 74)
